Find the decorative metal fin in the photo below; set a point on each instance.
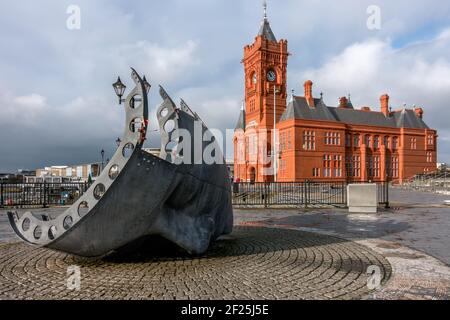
(165, 96)
(186, 108)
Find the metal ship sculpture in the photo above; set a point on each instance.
(175, 196)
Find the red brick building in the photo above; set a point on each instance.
(315, 141)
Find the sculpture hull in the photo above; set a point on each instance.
(152, 196)
(188, 204)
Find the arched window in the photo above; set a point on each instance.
(387, 142)
(253, 78)
(367, 140)
(376, 142)
(395, 143)
(348, 140)
(356, 140)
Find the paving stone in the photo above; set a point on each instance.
(253, 263)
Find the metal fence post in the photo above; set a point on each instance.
(23, 196)
(386, 195)
(265, 195)
(1, 196)
(306, 193)
(44, 204)
(41, 194)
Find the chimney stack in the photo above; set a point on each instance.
(343, 102)
(385, 105)
(308, 93)
(419, 112)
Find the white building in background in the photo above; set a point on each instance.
(230, 166)
(229, 162)
(441, 166)
(60, 174)
(154, 151)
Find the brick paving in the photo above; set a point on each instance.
(417, 220)
(252, 263)
(273, 254)
(413, 235)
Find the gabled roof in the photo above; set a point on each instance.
(298, 109)
(241, 122)
(266, 31)
(409, 119)
(369, 118)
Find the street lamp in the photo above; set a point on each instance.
(119, 88)
(275, 164)
(103, 157)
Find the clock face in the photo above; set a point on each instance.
(255, 79)
(271, 76)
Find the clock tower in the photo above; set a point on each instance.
(265, 65)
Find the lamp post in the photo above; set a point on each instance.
(103, 157)
(274, 152)
(119, 88)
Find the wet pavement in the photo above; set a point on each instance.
(413, 235)
(250, 264)
(415, 219)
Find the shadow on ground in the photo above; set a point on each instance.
(243, 241)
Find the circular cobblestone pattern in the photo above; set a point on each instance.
(252, 263)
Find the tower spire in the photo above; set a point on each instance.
(265, 9)
(265, 29)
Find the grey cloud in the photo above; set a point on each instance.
(56, 99)
(414, 75)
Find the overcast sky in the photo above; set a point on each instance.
(57, 106)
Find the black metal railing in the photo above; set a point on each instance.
(383, 194)
(40, 194)
(299, 194)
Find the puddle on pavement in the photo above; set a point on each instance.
(361, 217)
(404, 255)
(389, 245)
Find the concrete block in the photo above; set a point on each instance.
(362, 198)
